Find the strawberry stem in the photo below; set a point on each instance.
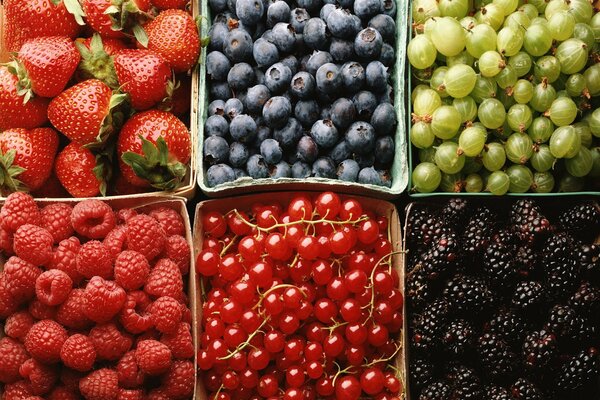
(8, 172)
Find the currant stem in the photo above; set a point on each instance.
(277, 287)
(340, 371)
(398, 348)
(228, 246)
(246, 343)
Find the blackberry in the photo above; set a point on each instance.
(529, 295)
(416, 218)
(424, 227)
(562, 277)
(441, 257)
(427, 326)
(499, 265)
(466, 385)
(419, 289)
(506, 237)
(563, 322)
(496, 357)
(422, 372)
(522, 389)
(589, 259)
(528, 220)
(526, 260)
(579, 371)
(509, 325)
(467, 294)
(586, 300)
(458, 338)
(539, 349)
(558, 246)
(455, 213)
(497, 393)
(437, 390)
(478, 231)
(583, 220)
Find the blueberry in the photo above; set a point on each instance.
(216, 125)
(341, 50)
(361, 137)
(388, 55)
(231, 5)
(310, 5)
(324, 168)
(377, 76)
(240, 173)
(268, 35)
(233, 108)
(367, 8)
(300, 170)
(240, 76)
(369, 176)
(281, 170)
(298, 19)
(217, 33)
(348, 171)
(346, 3)
(329, 78)
(283, 36)
(353, 76)
(365, 160)
(387, 96)
(216, 150)
(316, 34)
(389, 8)
(271, 151)
(289, 135)
(219, 174)
(249, 11)
(340, 152)
(278, 11)
(277, 111)
(385, 150)
(238, 45)
(300, 46)
(384, 119)
(260, 76)
(292, 63)
(316, 60)
(365, 103)
(263, 133)
(265, 53)
(307, 112)
(220, 91)
(256, 97)
(326, 10)
(340, 24)
(241, 96)
(243, 128)
(216, 107)
(368, 43)
(217, 66)
(217, 6)
(343, 113)
(257, 167)
(303, 85)
(324, 133)
(238, 155)
(223, 18)
(386, 27)
(307, 150)
(278, 78)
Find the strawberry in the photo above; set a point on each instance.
(44, 66)
(169, 4)
(13, 112)
(145, 75)
(173, 34)
(110, 46)
(27, 155)
(111, 17)
(35, 18)
(87, 112)
(154, 148)
(51, 188)
(78, 172)
(179, 103)
(96, 61)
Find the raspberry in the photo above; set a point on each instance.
(8, 303)
(44, 341)
(6, 242)
(153, 357)
(33, 244)
(180, 342)
(56, 219)
(13, 355)
(169, 219)
(134, 317)
(53, 287)
(178, 250)
(157, 394)
(166, 314)
(34, 398)
(124, 214)
(104, 299)
(41, 377)
(109, 342)
(128, 394)
(17, 391)
(20, 278)
(62, 393)
(150, 334)
(179, 382)
(131, 269)
(93, 219)
(70, 379)
(102, 384)
(64, 258)
(19, 209)
(116, 239)
(78, 352)
(94, 259)
(145, 235)
(18, 324)
(165, 280)
(71, 313)
(130, 376)
(39, 310)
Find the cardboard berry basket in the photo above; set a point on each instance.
(399, 169)
(146, 204)
(379, 207)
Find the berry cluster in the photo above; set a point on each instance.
(302, 302)
(503, 307)
(93, 303)
(301, 89)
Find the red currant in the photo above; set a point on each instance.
(351, 210)
(347, 388)
(372, 381)
(214, 224)
(328, 205)
(239, 223)
(300, 208)
(207, 262)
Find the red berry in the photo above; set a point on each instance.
(153, 357)
(166, 314)
(267, 385)
(53, 287)
(103, 299)
(33, 244)
(300, 208)
(124, 214)
(20, 277)
(238, 223)
(44, 341)
(129, 374)
(165, 280)
(64, 258)
(178, 382)
(94, 259)
(93, 219)
(116, 240)
(17, 391)
(56, 219)
(214, 224)
(368, 231)
(178, 250)
(169, 219)
(39, 310)
(41, 377)
(134, 316)
(78, 352)
(351, 210)
(372, 380)
(110, 343)
(13, 355)
(347, 387)
(328, 205)
(130, 394)
(145, 235)
(131, 270)
(18, 324)
(180, 342)
(62, 393)
(71, 312)
(207, 262)
(102, 384)
(19, 209)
